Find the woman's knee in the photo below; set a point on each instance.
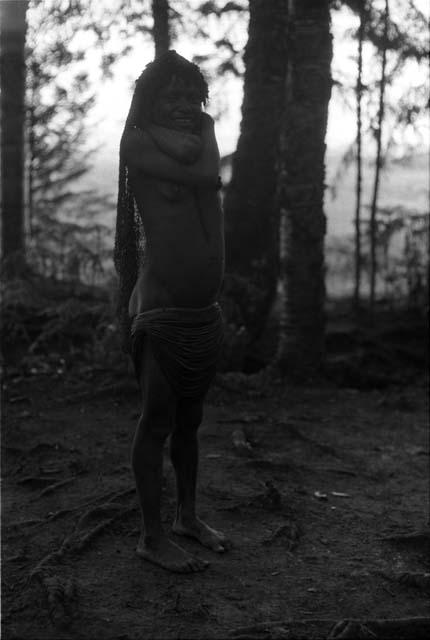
(154, 424)
(189, 416)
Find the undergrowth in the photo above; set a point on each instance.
(49, 324)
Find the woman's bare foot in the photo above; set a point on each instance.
(170, 556)
(201, 532)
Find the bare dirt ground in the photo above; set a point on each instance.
(322, 489)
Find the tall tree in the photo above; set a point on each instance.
(358, 188)
(252, 220)
(301, 185)
(64, 234)
(13, 28)
(378, 136)
(161, 28)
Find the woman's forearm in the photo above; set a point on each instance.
(183, 147)
(140, 151)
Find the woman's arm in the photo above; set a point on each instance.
(140, 151)
(181, 146)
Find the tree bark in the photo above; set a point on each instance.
(12, 85)
(373, 222)
(252, 219)
(161, 28)
(359, 94)
(301, 186)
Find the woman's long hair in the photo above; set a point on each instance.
(129, 235)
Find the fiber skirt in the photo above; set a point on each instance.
(186, 343)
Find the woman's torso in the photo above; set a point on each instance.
(184, 245)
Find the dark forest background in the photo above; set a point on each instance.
(59, 286)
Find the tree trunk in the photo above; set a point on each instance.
(359, 94)
(12, 84)
(301, 186)
(373, 225)
(252, 219)
(161, 28)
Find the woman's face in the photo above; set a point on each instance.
(178, 106)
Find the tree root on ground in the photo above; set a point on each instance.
(395, 629)
(82, 535)
(56, 485)
(415, 579)
(36, 522)
(35, 482)
(330, 629)
(109, 497)
(60, 596)
(412, 537)
(61, 591)
(24, 523)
